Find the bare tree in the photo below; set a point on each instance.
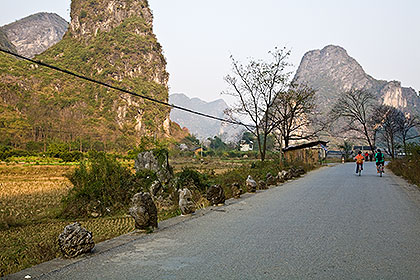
(406, 129)
(355, 106)
(293, 113)
(389, 119)
(255, 85)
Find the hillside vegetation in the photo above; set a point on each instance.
(42, 105)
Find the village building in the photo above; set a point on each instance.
(246, 146)
(310, 152)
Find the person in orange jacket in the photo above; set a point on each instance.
(359, 161)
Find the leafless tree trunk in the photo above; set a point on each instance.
(406, 126)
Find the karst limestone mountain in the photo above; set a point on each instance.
(110, 41)
(332, 71)
(35, 33)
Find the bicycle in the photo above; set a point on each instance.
(359, 169)
(380, 169)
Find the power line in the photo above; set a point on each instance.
(124, 90)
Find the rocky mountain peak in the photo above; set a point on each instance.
(332, 71)
(90, 17)
(332, 64)
(35, 33)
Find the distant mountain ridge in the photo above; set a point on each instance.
(331, 71)
(200, 126)
(35, 33)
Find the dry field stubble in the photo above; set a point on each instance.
(206, 165)
(30, 193)
(29, 199)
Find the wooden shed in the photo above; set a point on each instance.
(311, 152)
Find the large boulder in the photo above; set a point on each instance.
(75, 240)
(185, 202)
(216, 195)
(236, 190)
(251, 185)
(156, 161)
(144, 211)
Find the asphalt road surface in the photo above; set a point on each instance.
(330, 224)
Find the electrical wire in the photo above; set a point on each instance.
(126, 91)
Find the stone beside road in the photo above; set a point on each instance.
(75, 241)
(144, 211)
(216, 195)
(251, 185)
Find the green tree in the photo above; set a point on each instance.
(217, 144)
(346, 148)
(191, 141)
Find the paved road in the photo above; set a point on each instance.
(331, 224)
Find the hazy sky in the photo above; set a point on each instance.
(199, 36)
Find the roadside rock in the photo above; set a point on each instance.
(270, 180)
(282, 176)
(262, 185)
(185, 202)
(251, 185)
(144, 211)
(216, 195)
(297, 171)
(236, 190)
(75, 240)
(158, 164)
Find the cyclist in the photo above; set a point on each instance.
(380, 160)
(359, 161)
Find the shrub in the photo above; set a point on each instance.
(103, 186)
(8, 152)
(209, 153)
(408, 167)
(4, 151)
(35, 146)
(70, 156)
(189, 177)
